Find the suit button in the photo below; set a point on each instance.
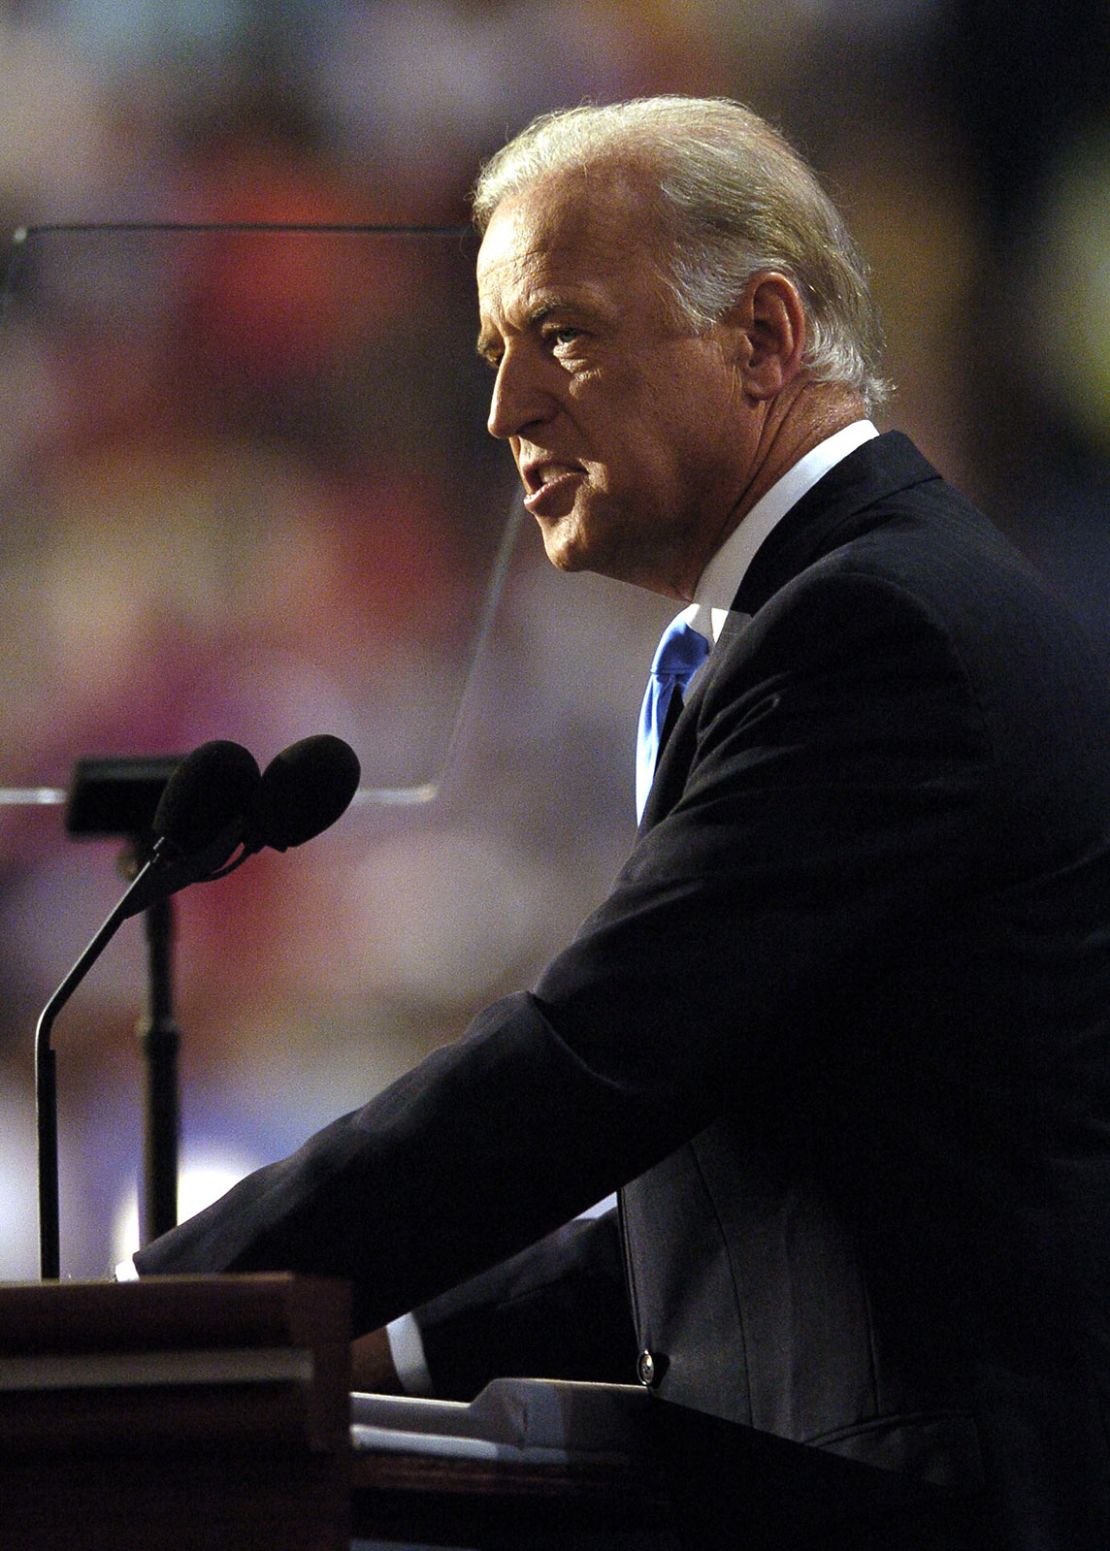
(645, 1368)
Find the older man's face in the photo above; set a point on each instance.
(628, 429)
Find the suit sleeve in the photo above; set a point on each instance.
(558, 1310)
(837, 792)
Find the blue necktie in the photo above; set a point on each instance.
(679, 655)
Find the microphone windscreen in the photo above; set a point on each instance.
(304, 789)
(212, 786)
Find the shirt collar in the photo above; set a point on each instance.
(720, 581)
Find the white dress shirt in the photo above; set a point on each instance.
(720, 581)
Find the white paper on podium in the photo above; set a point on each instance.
(527, 1421)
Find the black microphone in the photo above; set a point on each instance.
(303, 790)
(200, 820)
(212, 787)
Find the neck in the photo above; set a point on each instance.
(812, 412)
(799, 419)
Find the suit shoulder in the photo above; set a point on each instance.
(934, 611)
(925, 558)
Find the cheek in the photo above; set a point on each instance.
(645, 442)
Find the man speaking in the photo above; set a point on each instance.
(840, 1034)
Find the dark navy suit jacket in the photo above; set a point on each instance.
(841, 1031)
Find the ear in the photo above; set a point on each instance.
(771, 326)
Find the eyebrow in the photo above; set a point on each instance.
(485, 345)
(486, 342)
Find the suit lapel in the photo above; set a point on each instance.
(838, 508)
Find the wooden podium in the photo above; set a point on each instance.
(202, 1412)
(214, 1414)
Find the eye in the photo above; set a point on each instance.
(560, 335)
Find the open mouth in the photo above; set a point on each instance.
(548, 483)
(553, 496)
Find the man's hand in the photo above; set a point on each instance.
(372, 1369)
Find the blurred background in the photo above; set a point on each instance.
(247, 491)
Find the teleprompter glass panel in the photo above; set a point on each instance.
(245, 492)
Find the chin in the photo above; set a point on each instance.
(564, 546)
(599, 545)
(567, 560)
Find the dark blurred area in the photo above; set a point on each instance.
(248, 491)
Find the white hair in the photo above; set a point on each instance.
(738, 200)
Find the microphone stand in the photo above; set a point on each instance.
(304, 789)
(159, 1039)
(149, 892)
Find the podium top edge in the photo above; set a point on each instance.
(264, 1309)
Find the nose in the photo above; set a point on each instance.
(519, 398)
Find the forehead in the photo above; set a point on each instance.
(569, 232)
